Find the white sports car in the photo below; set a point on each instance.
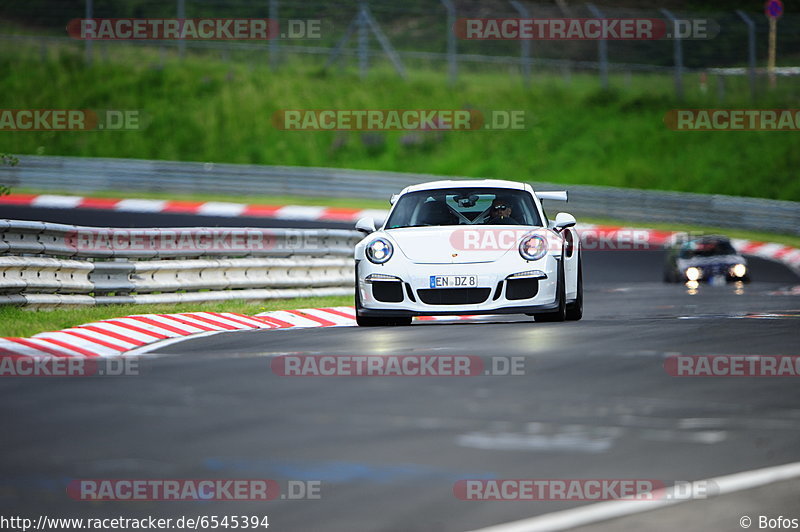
(468, 247)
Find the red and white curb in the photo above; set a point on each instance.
(120, 336)
(135, 335)
(199, 208)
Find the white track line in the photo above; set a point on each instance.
(603, 511)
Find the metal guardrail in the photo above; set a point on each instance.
(43, 264)
(86, 174)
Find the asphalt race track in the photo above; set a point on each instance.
(594, 402)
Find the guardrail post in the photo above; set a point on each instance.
(677, 49)
(525, 47)
(602, 49)
(452, 54)
(751, 50)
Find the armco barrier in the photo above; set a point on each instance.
(44, 264)
(293, 263)
(88, 174)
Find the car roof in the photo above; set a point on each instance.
(468, 183)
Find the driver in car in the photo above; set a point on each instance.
(500, 213)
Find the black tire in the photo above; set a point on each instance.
(370, 321)
(560, 314)
(575, 309)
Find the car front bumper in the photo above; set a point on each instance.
(413, 281)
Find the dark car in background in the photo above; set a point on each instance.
(711, 259)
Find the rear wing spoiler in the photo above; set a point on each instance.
(557, 195)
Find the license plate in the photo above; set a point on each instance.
(454, 281)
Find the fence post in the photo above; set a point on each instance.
(273, 41)
(525, 47)
(602, 49)
(88, 45)
(337, 51)
(452, 58)
(181, 16)
(384, 42)
(677, 52)
(751, 50)
(363, 41)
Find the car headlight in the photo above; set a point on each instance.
(533, 247)
(739, 270)
(379, 251)
(693, 274)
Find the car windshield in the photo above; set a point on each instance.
(706, 248)
(464, 206)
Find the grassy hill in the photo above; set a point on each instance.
(204, 109)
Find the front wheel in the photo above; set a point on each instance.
(575, 309)
(560, 314)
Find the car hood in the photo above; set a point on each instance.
(457, 244)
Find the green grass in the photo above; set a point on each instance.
(22, 322)
(203, 109)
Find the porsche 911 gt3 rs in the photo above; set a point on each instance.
(468, 247)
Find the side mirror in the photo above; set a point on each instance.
(393, 199)
(563, 220)
(366, 225)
